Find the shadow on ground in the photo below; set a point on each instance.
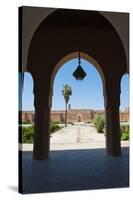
(70, 170)
(14, 188)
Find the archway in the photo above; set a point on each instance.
(79, 118)
(124, 109)
(124, 92)
(71, 56)
(28, 96)
(26, 108)
(61, 34)
(86, 100)
(84, 38)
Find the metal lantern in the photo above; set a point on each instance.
(79, 73)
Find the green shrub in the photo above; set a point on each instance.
(99, 123)
(28, 134)
(125, 136)
(54, 127)
(124, 132)
(27, 122)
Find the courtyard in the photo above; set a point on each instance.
(77, 136)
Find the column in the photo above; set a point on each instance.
(113, 130)
(112, 102)
(42, 120)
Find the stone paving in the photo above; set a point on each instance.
(77, 136)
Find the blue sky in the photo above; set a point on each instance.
(85, 94)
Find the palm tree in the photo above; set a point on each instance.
(66, 92)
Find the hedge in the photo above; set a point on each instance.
(28, 132)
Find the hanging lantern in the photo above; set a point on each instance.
(79, 73)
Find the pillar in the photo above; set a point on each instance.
(112, 103)
(42, 120)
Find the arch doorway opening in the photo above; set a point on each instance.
(124, 109)
(86, 104)
(79, 118)
(26, 110)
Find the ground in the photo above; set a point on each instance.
(78, 136)
(84, 166)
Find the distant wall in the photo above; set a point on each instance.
(86, 115)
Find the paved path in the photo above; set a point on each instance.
(76, 137)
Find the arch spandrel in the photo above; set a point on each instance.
(52, 43)
(119, 21)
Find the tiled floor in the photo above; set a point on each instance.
(68, 170)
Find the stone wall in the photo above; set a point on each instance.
(74, 115)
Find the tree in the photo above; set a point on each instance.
(66, 92)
